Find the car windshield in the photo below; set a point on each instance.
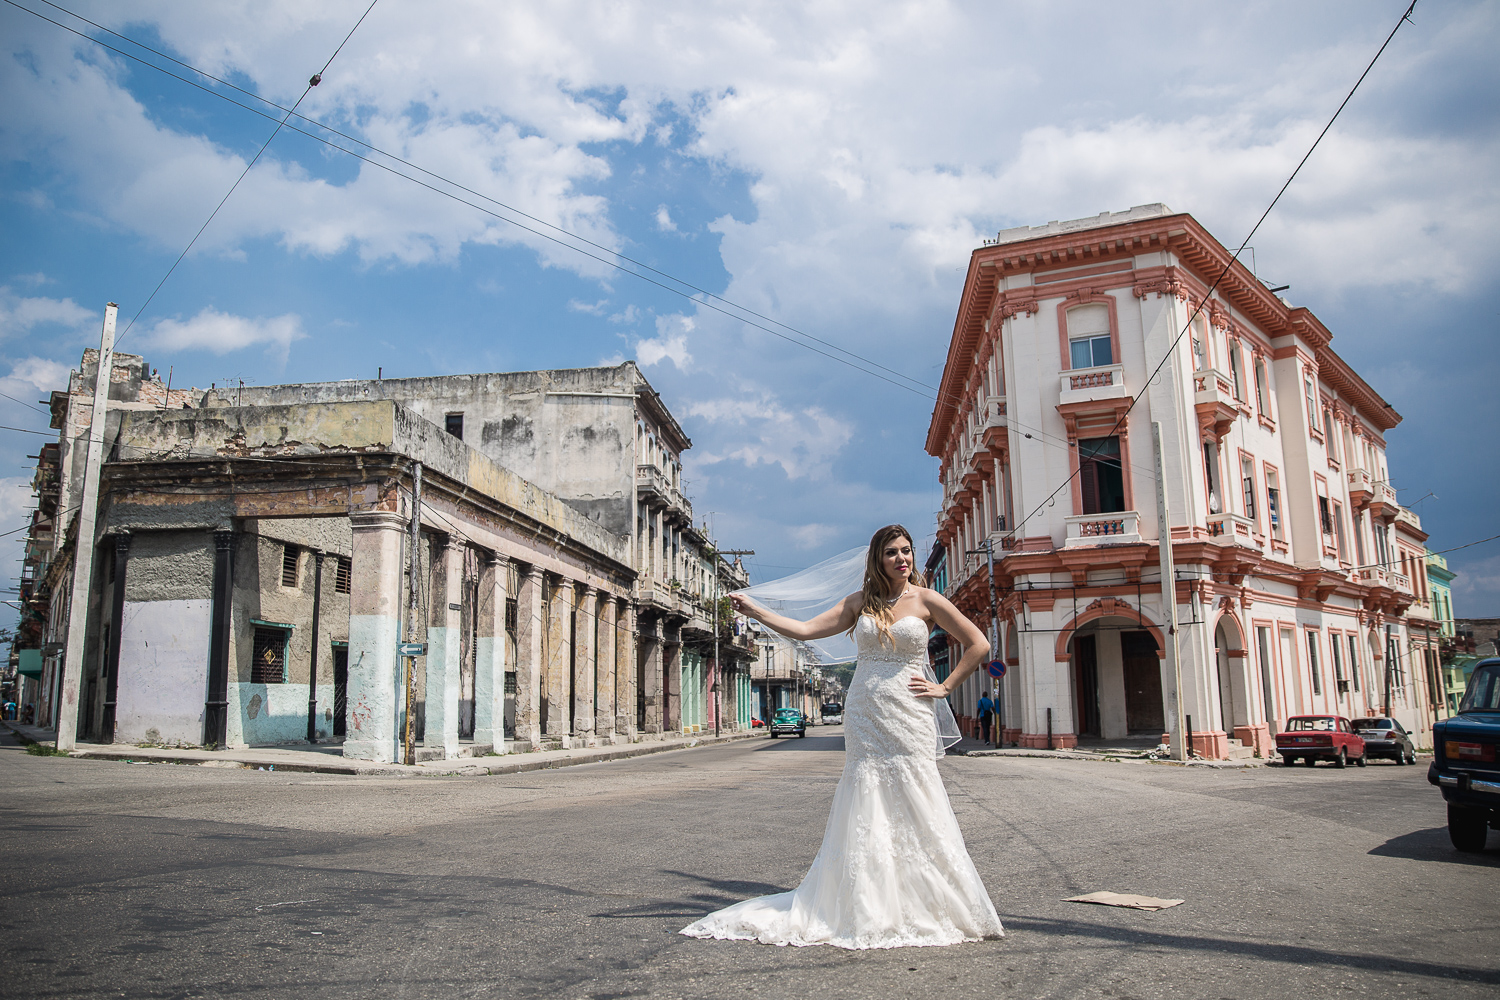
(1320, 725)
(788, 713)
(1483, 692)
(1373, 724)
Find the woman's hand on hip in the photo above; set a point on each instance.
(924, 688)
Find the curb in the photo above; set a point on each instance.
(502, 764)
(1222, 765)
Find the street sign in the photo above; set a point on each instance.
(411, 649)
(996, 669)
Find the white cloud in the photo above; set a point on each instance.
(220, 333)
(40, 374)
(761, 431)
(592, 308)
(812, 536)
(664, 220)
(669, 344)
(21, 314)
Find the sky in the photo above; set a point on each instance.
(830, 165)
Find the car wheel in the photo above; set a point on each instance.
(1362, 759)
(773, 736)
(1411, 758)
(1400, 758)
(1288, 761)
(802, 735)
(1467, 828)
(1342, 760)
(1309, 761)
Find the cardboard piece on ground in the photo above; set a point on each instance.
(1134, 902)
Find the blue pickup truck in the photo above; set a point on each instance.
(1465, 765)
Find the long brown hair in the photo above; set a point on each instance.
(878, 603)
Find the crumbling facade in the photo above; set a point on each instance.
(255, 572)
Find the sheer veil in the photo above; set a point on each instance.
(812, 591)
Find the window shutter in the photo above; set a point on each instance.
(1088, 476)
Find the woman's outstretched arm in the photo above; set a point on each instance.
(976, 646)
(839, 618)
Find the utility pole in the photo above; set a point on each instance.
(409, 731)
(718, 599)
(83, 547)
(1173, 697)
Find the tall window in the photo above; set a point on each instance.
(1325, 517)
(1359, 539)
(1311, 395)
(1100, 475)
(1211, 471)
(268, 655)
(1312, 662)
(1247, 482)
(1234, 369)
(1088, 337)
(1261, 392)
(1338, 531)
(1354, 658)
(1200, 344)
(1273, 505)
(342, 576)
(1338, 664)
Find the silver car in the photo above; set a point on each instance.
(1385, 738)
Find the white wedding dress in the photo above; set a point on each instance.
(892, 871)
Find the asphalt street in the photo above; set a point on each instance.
(173, 881)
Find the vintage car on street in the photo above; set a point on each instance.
(1311, 738)
(1385, 738)
(788, 722)
(1465, 764)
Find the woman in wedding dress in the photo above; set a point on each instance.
(893, 870)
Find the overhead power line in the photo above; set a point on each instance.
(1171, 349)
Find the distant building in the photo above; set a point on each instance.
(254, 550)
(1296, 569)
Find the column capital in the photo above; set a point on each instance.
(224, 541)
(122, 541)
(532, 571)
(377, 520)
(497, 560)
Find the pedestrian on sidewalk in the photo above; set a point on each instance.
(986, 715)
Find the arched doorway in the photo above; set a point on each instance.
(1116, 669)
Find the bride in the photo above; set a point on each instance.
(893, 870)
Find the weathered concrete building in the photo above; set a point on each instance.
(255, 571)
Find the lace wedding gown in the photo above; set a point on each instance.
(893, 870)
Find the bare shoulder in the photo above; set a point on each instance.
(933, 601)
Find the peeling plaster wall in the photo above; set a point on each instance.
(570, 431)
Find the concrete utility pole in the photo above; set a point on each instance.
(83, 547)
(1172, 698)
(409, 731)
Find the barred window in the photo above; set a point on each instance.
(289, 566)
(510, 615)
(341, 576)
(268, 662)
(510, 682)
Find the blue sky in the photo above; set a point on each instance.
(828, 164)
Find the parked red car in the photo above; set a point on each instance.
(1311, 738)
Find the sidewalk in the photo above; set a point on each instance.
(977, 748)
(330, 760)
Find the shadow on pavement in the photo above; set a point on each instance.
(1264, 950)
(811, 741)
(1434, 845)
(724, 892)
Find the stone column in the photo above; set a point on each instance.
(489, 655)
(604, 677)
(444, 621)
(529, 645)
(374, 629)
(558, 657)
(651, 676)
(625, 675)
(585, 628)
(672, 678)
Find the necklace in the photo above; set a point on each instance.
(892, 601)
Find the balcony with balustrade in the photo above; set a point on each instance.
(1118, 528)
(1089, 385)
